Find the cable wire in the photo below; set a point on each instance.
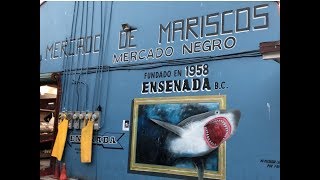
(64, 79)
(73, 87)
(175, 62)
(77, 63)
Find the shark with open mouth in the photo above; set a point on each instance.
(209, 130)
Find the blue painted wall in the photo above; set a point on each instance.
(253, 84)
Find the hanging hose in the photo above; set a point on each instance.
(64, 79)
(99, 68)
(89, 59)
(84, 59)
(77, 63)
(107, 70)
(71, 96)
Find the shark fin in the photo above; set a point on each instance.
(173, 128)
(199, 164)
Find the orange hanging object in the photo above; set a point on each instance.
(63, 175)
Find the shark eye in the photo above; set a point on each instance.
(217, 112)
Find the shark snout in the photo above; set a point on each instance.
(236, 115)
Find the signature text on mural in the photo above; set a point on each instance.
(271, 163)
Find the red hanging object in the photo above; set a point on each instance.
(63, 175)
(57, 170)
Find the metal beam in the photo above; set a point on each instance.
(270, 50)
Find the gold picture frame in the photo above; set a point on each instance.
(135, 165)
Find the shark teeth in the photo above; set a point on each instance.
(208, 138)
(222, 123)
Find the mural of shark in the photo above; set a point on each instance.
(197, 136)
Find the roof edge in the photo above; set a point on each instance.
(42, 2)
